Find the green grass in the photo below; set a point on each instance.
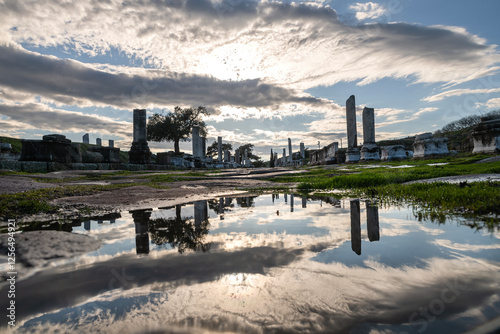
(16, 143)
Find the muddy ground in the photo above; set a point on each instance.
(140, 196)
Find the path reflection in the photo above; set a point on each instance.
(372, 224)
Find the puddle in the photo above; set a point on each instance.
(269, 263)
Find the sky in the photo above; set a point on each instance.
(266, 70)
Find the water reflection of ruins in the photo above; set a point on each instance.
(372, 224)
(177, 231)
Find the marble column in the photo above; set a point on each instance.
(196, 142)
(111, 143)
(247, 163)
(302, 151)
(227, 156)
(86, 139)
(98, 141)
(369, 151)
(219, 152)
(352, 154)
(139, 152)
(283, 162)
(290, 158)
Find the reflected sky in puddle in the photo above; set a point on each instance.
(270, 263)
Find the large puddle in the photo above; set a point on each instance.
(271, 263)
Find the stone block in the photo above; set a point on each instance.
(425, 145)
(486, 136)
(11, 165)
(394, 152)
(34, 167)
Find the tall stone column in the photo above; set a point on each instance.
(203, 143)
(227, 156)
(352, 154)
(290, 158)
(369, 151)
(139, 152)
(302, 151)
(238, 159)
(247, 163)
(355, 227)
(219, 152)
(196, 141)
(283, 162)
(276, 159)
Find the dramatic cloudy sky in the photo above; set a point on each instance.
(266, 70)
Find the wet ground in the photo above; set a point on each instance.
(272, 263)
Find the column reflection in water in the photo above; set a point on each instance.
(372, 221)
(141, 221)
(200, 213)
(286, 198)
(355, 227)
(291, 203)
(304, 202)
(86, 225)
(221, 208)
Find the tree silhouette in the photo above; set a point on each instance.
(213, 149)
(176, 126)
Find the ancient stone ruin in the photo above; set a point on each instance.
(486, 136)
(352, 154)
(52, 148)
(369, 151)
(139, 152)
(425, 145)
(393, 152)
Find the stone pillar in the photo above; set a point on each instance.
(237, 154)
(203, 143)
(219, 152)
(372, 222)
(227, 156)
(355, 227)
(196, 142)
(111, 143)
(302, 151)
(86, 138)
(369, 151)
(139, 152)
(98, 141)
(276, 159)
(352, 154)
(290, 158)
(283, 161)
(246, 158)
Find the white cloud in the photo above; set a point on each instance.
(460, 92)
(368, 10)
(493, 103)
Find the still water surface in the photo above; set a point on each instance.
(271, 263)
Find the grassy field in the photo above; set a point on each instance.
(384, 181)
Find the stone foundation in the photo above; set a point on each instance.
(486, 136)
(394, 152)
(425, 145)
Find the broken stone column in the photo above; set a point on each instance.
(196, 141)
(227, 156)
(425, 145)
(393, 152)
(290, 158)
(52, 148)
(219, 152)
(203, 143)
(352, 154)
(302, 151)
(237, 153)
(355, 227)
(369, 151)
(111, 143)
(141, 222)
(98, 141)
(486, 136)
(86, 139)
(139, 152)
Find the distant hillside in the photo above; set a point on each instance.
(406, 142)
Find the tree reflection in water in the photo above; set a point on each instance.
(183, 233)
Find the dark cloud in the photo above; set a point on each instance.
(71, 82)
(42, 117)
